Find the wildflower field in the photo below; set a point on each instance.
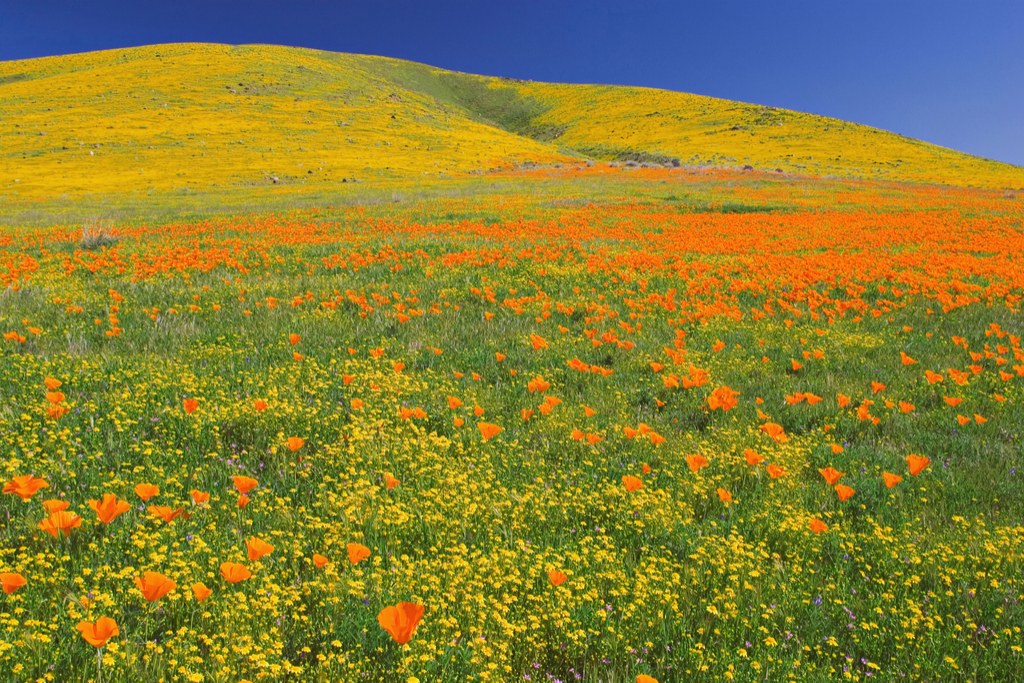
(581, 424)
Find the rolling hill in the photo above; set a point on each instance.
(166, 117)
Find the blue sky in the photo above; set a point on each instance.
(951, 73)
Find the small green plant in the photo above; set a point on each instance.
(97, 234)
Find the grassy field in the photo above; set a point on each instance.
(469, 380)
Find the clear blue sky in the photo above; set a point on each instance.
(951, 73)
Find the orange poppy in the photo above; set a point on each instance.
(454, 403)
(631, 483)
(907, 360)
(398, 366)
(199, 497)
(12, 581)
(906, 407)
(836, 448)
(775, 431)
(577, 435)
(260, 405)
(390, 481)
(201, 591)
(527, 413)
(356, 403)
(25, 486)
(146, 491)
(630, 432)
(154, 585)
(775, 471)
(796, 365)
(696, 462)
(917, 464)
(876, 387)
(295, 443)
(724, 398)
(656, 438)
(347, 379)
(589, 412)
(488, 430)
(244, 484)
(752, 456)
(891, 479)
(645, 467)
(818, 526)
(478, 411)
(401, 620)
(459, 422)
(843, 400)
(844, 491)
(319, 561)
(234, 572)
(357, 552)
(60, 522)
(962, 420)
(499, 356)
(52, 384)
(644, 678)
(831, 474)
(724, 495)
(110, 508)
(294, 339)
(979, 419)
(297, 356)
(933, 377)
(54, 397)
(556, 577)
(190, 404)
(594, 439)
(55, 505)
(952, 402)
(97, 634)
(256, 548)
(165, 512)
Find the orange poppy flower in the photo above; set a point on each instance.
(631, 483)
(146, 491)
(645, 467)
(818, 526)
(256, 548)
(52, 384)
(25, 486)
(836, 448)
(527, 413)
(54, 397)
(234, 572)
(594, 439)
(696, 462)
(907, 360)
(244, 484)
(538, 384)
(952, 402)
(589, 412)
(724, 495)
(190, 404)
(843, 400)
(906, 407)
(294, 339)
(12, 581)
(962, 420)
(347, 379)
(390, 481)
(499, 356)
(356, 403)
(97, 634)
(260, 405)
(201, 591)
(297, 356)
(556, 577)
(577, 435)
(55, 505)
(154, 585)
(656, 438)
(917, 464)
(60, 522)
(876, 387)
(630, 432)
(357, 552)
(199, 497)
(165, 512)
(488, 430)
(831, 474)
(478, 411)
(400, 620)
(397, 366)
(891, 479)
(796, 365)
(110, 508)
(319, 561)
(752, 456)
(454, 403)
(844, 491)
(775, 471)
(459, 422)
(979, 419)
(775, 431)
(724, 398)
(933, 377)
(243, 500)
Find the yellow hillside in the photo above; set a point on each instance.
(197, 116)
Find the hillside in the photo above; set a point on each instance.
(161, 118)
